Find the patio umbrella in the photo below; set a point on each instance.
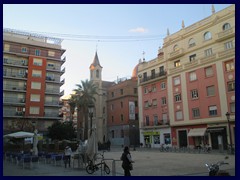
(19, 135)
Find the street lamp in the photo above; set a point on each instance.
(230, 137)
(90, 111)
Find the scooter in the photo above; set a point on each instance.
(214, 169)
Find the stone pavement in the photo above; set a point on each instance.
(148, 162)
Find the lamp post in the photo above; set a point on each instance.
(90, 111)
(230, 137)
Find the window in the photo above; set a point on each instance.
(177, 98)
(145, 76)
(112, 118)
(161, 70)
(121, 104)
(112, 94)
(167, 138)
(176, 80)
(35, 85)
(191, 42)
(50, 65)
(231, 86)
(147, 120)
(122, 117)
(210, 91)
(24, 49)
(156, 139)
(195, 112)
(97, 73)
(37, 62)
(164, 100)
(112, 106)
(51, 53)
(136, 103)
(154, 88)
(154, 101)
(192, 76)
(155, 120)
(179, 115)
(192, 57)
(175, 48)
(163, 85)
(208, 52)
(146, 104)
(35, 97)
(153, 73)
(36, 73)
(50, 76)
(194, 94)
(212, 110)
(164, 118)
(226, 26)
(135, 90)
(228, 45)
(145, 90)
(104, 110)
(177, 63)
(229, 66)
(232, 107)
(207, 36)
(37, 52)
(34, 110)
(208, 71)
(112, 132)
(6, 47)
(121, 91)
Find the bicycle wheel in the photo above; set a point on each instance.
(90, 169)
(106, 169)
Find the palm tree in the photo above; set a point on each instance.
(84, 96)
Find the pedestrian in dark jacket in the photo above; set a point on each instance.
(126, 161)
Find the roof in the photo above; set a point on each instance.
(95, 61)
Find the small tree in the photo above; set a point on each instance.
(60, 131)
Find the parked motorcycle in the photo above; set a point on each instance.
(214, 169)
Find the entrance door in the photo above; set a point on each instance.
(182, 136)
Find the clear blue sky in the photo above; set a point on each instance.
(118, 59)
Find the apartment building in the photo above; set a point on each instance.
(122, 108)
(32, 70)
(186, 91)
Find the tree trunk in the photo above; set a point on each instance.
(85, 114)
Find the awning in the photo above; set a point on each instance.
(197, 132)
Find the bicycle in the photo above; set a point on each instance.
(91, 167)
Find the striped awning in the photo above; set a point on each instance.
(197, 132)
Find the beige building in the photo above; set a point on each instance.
(194, 77)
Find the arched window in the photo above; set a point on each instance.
(207, 35)
(175, 48)
(191, 42)
(226, 26)
(97, 73)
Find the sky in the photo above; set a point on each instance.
(120, 33)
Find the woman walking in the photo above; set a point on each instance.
(126, 161)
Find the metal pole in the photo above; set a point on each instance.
(230, 134)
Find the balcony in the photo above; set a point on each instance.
(176, 69)
(226, 53)
(14, 62)
(14, 88)
(226, 34)
(152, 78)
(192, 64)
(152, 124)
(207, 59)
(176, 54)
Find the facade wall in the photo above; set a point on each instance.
(31, 79)
(201, 64)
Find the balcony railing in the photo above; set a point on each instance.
(153, 77)
(14, 62)
(14, 88)
(208, 58)
(13, 100)
(155, 124)
(226, 34)
(176, 54)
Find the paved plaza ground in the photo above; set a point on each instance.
(148, 162)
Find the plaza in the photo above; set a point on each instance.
(148, 162)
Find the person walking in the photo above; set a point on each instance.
(127, 161)
(67, 156)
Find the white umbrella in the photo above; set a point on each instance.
(18, 135)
